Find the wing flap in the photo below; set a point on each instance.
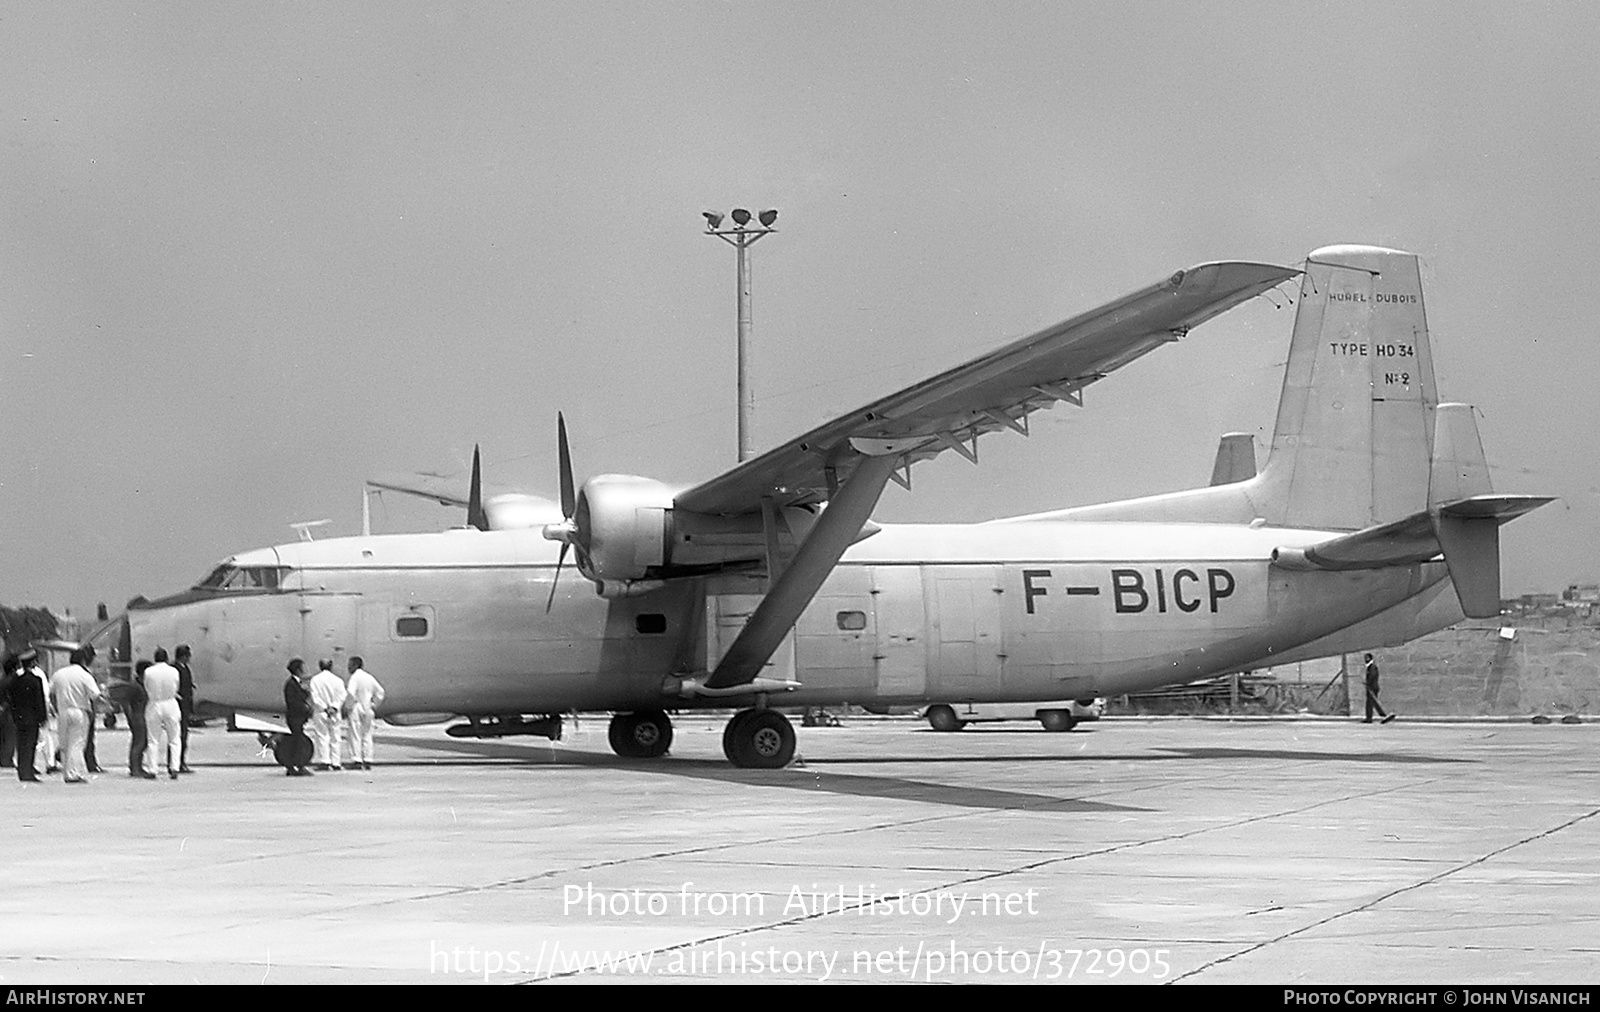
(989, 393)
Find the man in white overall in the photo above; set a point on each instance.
(327, 719)
(162, 716)
(365, 696)
(74, 691)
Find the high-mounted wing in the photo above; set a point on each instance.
(992, 392)
(848, 461)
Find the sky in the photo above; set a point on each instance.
(252, 254)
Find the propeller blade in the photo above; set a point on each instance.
(569, 498)
(560, 561)
(476, 517)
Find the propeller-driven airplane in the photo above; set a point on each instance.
(1373, 522)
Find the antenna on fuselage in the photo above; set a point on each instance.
(303, 528)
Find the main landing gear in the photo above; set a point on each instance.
(753, 739)
(759, 739)
(643, 734)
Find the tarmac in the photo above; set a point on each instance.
(1314, 851)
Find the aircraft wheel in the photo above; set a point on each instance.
(731, 733)
(645, 734)
(943, 718)
(1057, 720)
(759, 739)
(291, 750)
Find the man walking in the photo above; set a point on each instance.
(365, 695)
(161, 713)
(1372, 693)
(74, 691)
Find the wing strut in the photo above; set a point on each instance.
(835, 530)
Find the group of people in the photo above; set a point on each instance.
(48, 723)
(159, 705)
(329, 704)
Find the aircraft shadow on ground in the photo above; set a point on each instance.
(794, 778)
(1178, 755)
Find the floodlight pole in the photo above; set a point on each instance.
(741, 238)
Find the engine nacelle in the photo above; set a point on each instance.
(514, 511)
(621, 522)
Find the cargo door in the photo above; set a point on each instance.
(900, 621)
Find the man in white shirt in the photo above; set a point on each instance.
(161, 716)
(365, 696)
(74, 691)
(327, 722)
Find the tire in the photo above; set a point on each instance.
(759, 739)
(731, 733)
(645, 734)
(943, 718)
(1057, 720)
(292, 750)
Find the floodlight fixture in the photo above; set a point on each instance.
(741, 235)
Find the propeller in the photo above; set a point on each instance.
(476, 517)
(569, 505)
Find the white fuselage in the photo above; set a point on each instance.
(456, 622)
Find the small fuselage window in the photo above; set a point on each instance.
(852, 621)
(650, 623)
(411, 627)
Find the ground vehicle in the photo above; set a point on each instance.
(1062, 715)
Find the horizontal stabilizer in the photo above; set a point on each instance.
(1465, 532)
(1413, 539)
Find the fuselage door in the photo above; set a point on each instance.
(966, 626)
(901, 622)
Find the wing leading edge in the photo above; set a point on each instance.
(994, 391)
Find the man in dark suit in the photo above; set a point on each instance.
(28, 709)
(180, 660)
(133, 706)
(89, 758)
(296, 712)
(8, 727)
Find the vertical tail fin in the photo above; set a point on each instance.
(1460, 469)
(1236, 459)
(1353, 442)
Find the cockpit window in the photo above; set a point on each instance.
(228, 578)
